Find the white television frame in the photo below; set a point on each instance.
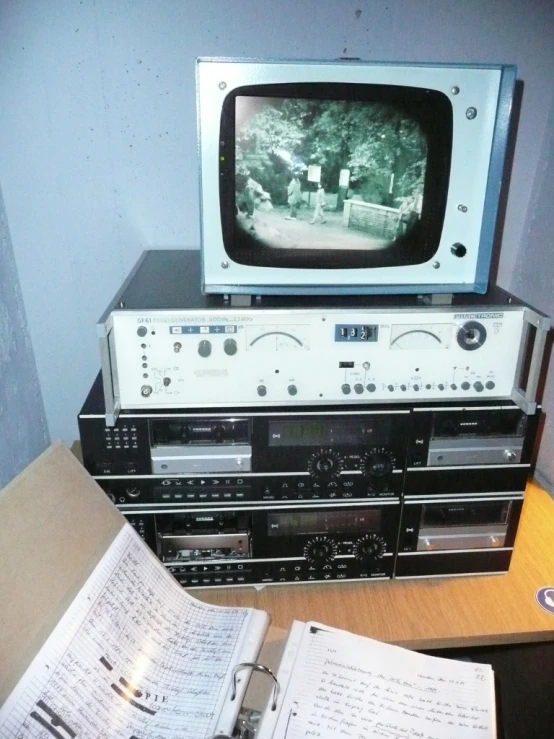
(479, 145)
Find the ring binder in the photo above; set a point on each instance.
(260, 668)
(246, 726)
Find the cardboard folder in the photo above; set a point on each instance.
(55, 525)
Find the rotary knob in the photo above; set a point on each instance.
(325, 464)
(230, 347)
(204, 348)
(320, 550)
(377, 463)
(369, 548)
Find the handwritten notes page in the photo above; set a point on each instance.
(134, 657)
(349, 686)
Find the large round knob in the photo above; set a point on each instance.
(377, 463)
(325, 464)
(205, 348)
(320, 550)
(471, 335)
(370, 547)
(230, 347)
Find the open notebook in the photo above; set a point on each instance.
(136, 657)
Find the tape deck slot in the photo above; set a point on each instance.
(197, 537)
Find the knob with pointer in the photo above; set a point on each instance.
(320, 550)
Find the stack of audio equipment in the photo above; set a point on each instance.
(332, 439)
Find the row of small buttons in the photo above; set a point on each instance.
(201, 575)
(477, 386)
(199, 482)
(110, 432)
(292, 572)
(208, 567)
(194, 581)
(305, 483)
(167, 495)
(314, 495)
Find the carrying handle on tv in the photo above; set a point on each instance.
(526, 398)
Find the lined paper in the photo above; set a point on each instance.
(134, 657)
(357, 688)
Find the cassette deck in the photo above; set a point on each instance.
(319, 494)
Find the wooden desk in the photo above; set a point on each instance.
(429, 613)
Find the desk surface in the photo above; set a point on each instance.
(429, 613)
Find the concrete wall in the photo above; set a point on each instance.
(98, 138)
(23, 432)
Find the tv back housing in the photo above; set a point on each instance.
(399, 171)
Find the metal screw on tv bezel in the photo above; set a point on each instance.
(436, 265)
(462, 208)
(225, 265)
(455, 90)
(471, 113)
(222, 85)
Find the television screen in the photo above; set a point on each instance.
(345, 177)
(353, 174)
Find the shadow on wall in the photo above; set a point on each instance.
(23, 431)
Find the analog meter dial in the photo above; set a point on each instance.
(277, 338)
(426, 336)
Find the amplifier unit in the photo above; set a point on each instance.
(177, 348)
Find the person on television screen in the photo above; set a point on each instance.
(319, 204)
(294, 197)
(252, 191)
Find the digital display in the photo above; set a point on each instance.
(324, 431)
(324, 522)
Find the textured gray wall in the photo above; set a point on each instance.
(23, 432)
(98, 134)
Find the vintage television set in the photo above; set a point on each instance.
(399, 169)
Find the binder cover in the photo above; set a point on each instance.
(49, 544)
